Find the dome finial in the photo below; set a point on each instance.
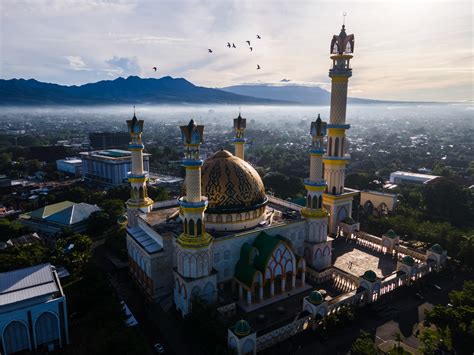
(134, 112)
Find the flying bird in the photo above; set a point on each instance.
(210, 50)
(154, 68)
(251, 49)
(258, 67)
(248, 42)
(258, 37)
(233, 45)
(228, 45)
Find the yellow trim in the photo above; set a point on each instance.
(316, 154)
(339, 162)
(310, 213)
(193, 209)
(339, 79)
(144, 203)
(192, 242)
(138, 179)
(135, 149)
(336, 131)
(332, 198)
(314, 188)
(339, 56)
(240, 143)
(193, 167)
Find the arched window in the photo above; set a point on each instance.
(199, 226)
(336, 147)
(140, 192)
(315, 203)
(219, 218)
(186, 226)
(342, 146)
(15, 337)
(46, 328)
(239, 217)
(191, 227)
(308, 201)
(330, 146)
(334, 190)
(341, 190)
(228, 218)
(320, 202)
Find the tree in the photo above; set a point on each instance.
(98, 223)
(10, 230)
(430, 340)
(114, 208)
(364, 345)
(73, 252)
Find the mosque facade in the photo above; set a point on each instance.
(225, 237)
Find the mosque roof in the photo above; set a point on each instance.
(315, 297)
(391, 233)
(231, 184)
(370, 275)
(437, 249)
(408, 260)
(242, 328)
(254, 258)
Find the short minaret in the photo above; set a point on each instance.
(193, 246)
(336, 200)
(317, 243)
(138, 178)
(239, 141)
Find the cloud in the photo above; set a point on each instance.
(76, 63)
(123, 66)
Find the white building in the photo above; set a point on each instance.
(405, 177)
(33, 311)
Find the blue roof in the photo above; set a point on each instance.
(23, 284)
(149, 244)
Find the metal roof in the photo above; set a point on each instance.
(65, 213)
(22, 284)
(149, 244)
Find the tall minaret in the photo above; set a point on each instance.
(317, 243)
(336, 200)
(239, 141)
(139, 199)
(193, 246)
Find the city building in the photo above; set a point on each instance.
(33, 311)
(378, 203)
(228, 243)
(52, 219)
(70, 166)
(405, 177)
(108, 140)
(109, 167)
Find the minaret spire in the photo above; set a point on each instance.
(336, 199)
(240, 124)
(317, 242)
(138, 177)
(194, 245)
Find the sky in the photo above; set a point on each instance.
(404, 49)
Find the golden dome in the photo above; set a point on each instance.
(231, 184)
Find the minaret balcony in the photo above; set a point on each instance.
(346, 72)
(339, 126)
(239, 140)
(193, 205)
(335, 158)
(192, 162)
(317, 151)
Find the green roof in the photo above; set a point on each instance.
(369, 275)
(315, 297)
(437, 249)
(391, 234)
(262, 247)
(408, 260)
(265, 244)
(242, 328)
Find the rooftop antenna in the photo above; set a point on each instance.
(344, 18)
(133, 110)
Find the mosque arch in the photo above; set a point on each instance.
(368, 207)
(140, 192)
(199, 226)
(308, 201)
(15, 337)
(208, 293)
(330, 146)
(228, 218)
(196, 292)
(219, 218)
(342, 214)
(191, 227)
(47, 328)
(186, 226)
(336, 147)
(239, 217)
(315, 203)
(320, 202)
(334, 190)
(247, 347)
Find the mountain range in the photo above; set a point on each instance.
(165, 90)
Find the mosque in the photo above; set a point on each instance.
(225, 238)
